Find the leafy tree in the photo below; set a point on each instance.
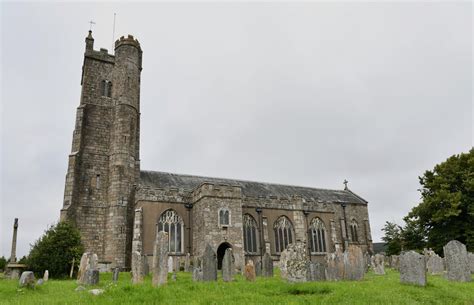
(3, 263)
(413, 235)
(392, 237)
(447, 208)
(55, 250)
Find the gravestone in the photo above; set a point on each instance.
(209, 265)
(137, 267)
(187, 263)
(284, 256)
(470, 258)
(335, 266)
(295, 262)
(457, 265)
(315, 272)
(228, 266)
(197, 269)
(87, 274)
(249, 271)
(160, 259)
(92, 277)
(46, 276)
(378, 264)
(27, 279)
(170, 264)
(258, 268)
(267, 265)
(395, 262)
(412, 268)
(434, 263)
(40, 282)
(115, 275)
(145, 265)
(354, 268)
(368, 261)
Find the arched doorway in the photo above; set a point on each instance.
(220, 253)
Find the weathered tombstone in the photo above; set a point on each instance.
(335, 266)
(92, 277)
(137, 267)
(378, 264)
(457, 265)
(434, 263)
(81, 273)
(267, 265)
(88, 269)
(39, 282)
(395, 262)
(177, 264)
(146, 265)
(258, 268)
(27, 279)
(197, 269)
(284, 256)
(315, 272)
(173, 276)
(354, 268)
(46, 276)
(209, 265)
(412, 268)
(170, 264)
(295, 262)
(470, 257)
(368, 261)
(160, 259)
(115, 275)
(228, 266)
(249, 271)
(187, 267)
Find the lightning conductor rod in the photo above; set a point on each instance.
(113, 33)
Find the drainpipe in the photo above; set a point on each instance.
(260, 231)
(189, 207)
(306, 213)
(345, 225)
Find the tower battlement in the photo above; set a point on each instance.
(129, 40)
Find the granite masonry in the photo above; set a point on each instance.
(117, 206)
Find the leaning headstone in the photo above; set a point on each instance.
(335, 266)
(88, 269)
(267, 265)
(249, 271)
(27, 279)
(115, 275)
(354, 268)
(187, 261)
(470, 258)
(228, 266)
(315, 272)
(137, 267)
(457, 265)
(412, 268)
(378, 264)
(209, 265)
(160, 259)
(46, 276)
(81, 273)
(170, 264)
(434, 263)
(296, 262)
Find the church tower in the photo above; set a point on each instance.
(104, 163)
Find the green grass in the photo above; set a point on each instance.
(372, 290)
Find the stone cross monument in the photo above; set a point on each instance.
(13, 253)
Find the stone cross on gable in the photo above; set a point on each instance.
(345, 184)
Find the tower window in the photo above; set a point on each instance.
(224, 217)
(97, 182)
(106, 88)
(354, 236)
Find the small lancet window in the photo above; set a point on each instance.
(354, 235)
(97, 182)
(224, 217)
(106, 88)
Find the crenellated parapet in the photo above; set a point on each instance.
(224, 191)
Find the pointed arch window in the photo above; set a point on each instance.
(283, 233)
(106, 88)
(173, 224)
(250, 235)
(224, 217)
(354, 227)
(317, 231)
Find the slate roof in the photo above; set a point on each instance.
(250, 189)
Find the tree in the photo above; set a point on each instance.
(3, 263)
(447, 208)
(392, 237)
(55, 250)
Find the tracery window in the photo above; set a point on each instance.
(224, 217)
(317, 231)
(173, 224)
(283, 233)
(250, 234)
(354, 236)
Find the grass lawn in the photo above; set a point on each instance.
(372, 290)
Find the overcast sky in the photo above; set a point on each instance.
(304, 94)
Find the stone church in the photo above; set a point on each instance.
(119, 208)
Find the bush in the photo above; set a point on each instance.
(55, 250)
(3, 263)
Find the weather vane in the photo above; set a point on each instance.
(91, 23)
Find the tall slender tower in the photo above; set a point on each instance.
(104, 163)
